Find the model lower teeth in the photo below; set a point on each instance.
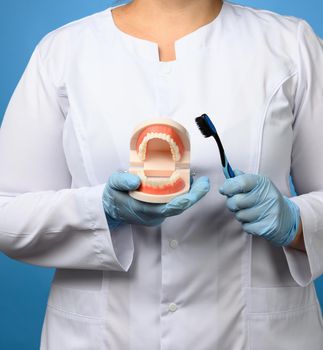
(158, 182)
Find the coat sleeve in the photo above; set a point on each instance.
(307, 159)
(43, 221)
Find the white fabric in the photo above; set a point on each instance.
(67, 128)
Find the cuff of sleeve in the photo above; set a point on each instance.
(304, 266)
(115, 248)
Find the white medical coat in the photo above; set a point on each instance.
(197, 281)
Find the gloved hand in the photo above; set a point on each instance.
(122, 208)
(261, 208)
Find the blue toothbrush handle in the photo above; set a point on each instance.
(227, 170)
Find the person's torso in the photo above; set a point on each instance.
(197, 281)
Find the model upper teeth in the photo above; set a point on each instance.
(158, 181)
(158, 135)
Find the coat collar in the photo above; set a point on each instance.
(195, 41)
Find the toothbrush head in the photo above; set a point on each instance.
(205, 125)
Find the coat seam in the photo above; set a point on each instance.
(249, 285)
(310, 236)
(82, 140)
(12, 234)
(283, 313)
(264, 118)
(74, 313)
(260, 135)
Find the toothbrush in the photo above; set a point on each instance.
(207, 128)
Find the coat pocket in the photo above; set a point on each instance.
(283, 318)
(74, 319)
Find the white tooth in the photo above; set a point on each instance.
(143, 147)
(177, 154)
(175, 150)
(172, 149)
(175, 176)
(142, 175)
(141, 153)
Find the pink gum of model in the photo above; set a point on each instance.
(160, 163)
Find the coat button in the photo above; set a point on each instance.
(172, 307)
(173, 243)
(166, 69)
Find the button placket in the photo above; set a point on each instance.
(166, 103)
(164, 88)
(169, 293)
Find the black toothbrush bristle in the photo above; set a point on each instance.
(203, 126)
(208, 129)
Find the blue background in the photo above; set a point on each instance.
(24, 288)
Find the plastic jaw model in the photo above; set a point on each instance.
(160, 156)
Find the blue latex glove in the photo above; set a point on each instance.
(261, 208)
(122, 208)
